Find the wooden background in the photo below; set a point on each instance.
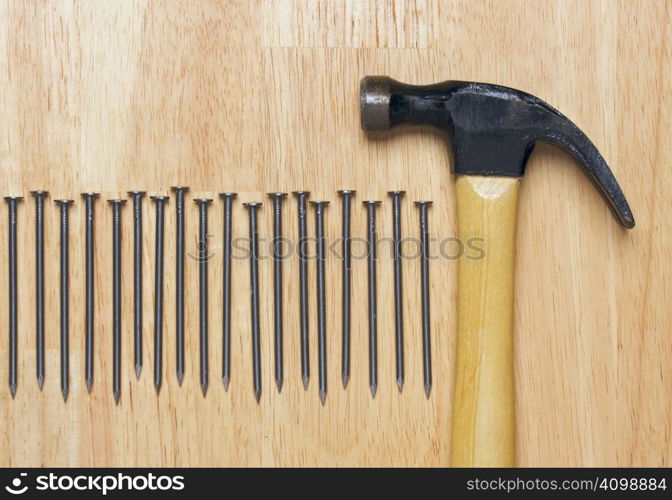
(263, 96)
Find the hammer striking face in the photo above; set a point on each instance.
(494, 131)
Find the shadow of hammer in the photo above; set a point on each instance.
(494, 130)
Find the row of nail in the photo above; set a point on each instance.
(277, 199)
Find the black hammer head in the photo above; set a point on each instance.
(494, 128)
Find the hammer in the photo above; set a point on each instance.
(494, 130)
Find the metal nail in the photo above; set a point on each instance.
(423, 206)
(12, 202)
(226, 318)
(179, 281)
(346, 276)
(254, 295)
(116, 297)
(320, 206)
(65, 297)
(203, 288)
(160, 202)
(373, 307)
(398, 288)
(277, 286)
(89, 200)
(301, 197)
(39, 196)
(137, 280)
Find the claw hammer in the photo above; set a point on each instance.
(494, 131)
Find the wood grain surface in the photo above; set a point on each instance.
(259, 96)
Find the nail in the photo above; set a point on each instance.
(320, 206)
(423, 206)
(203, 288)
(373, 326)
(226, 317)
(277, 286)
(254, 295)
(116, 297)
(346, 276)
(65, 297)
(398, 288)
(13, 317)
(137, 280)
(89, 199)
(159, 205)
(39, 196)
(301, 197)
(179, 281)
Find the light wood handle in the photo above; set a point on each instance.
(483, 412)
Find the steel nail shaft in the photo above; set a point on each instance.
(346, 276)
(203, 288)
(278, 350)
(12, 202)
(373, 306)
(137, 280)
(301, 198)
(180, 192)
(423, 206)
(89, 200)
(39, 196)
(159, 205)
(116, 297)
(320, 206)
(65, 296)
(226, 315)
(398, 288)
(254, 296)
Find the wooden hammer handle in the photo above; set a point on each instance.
(483, 433)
